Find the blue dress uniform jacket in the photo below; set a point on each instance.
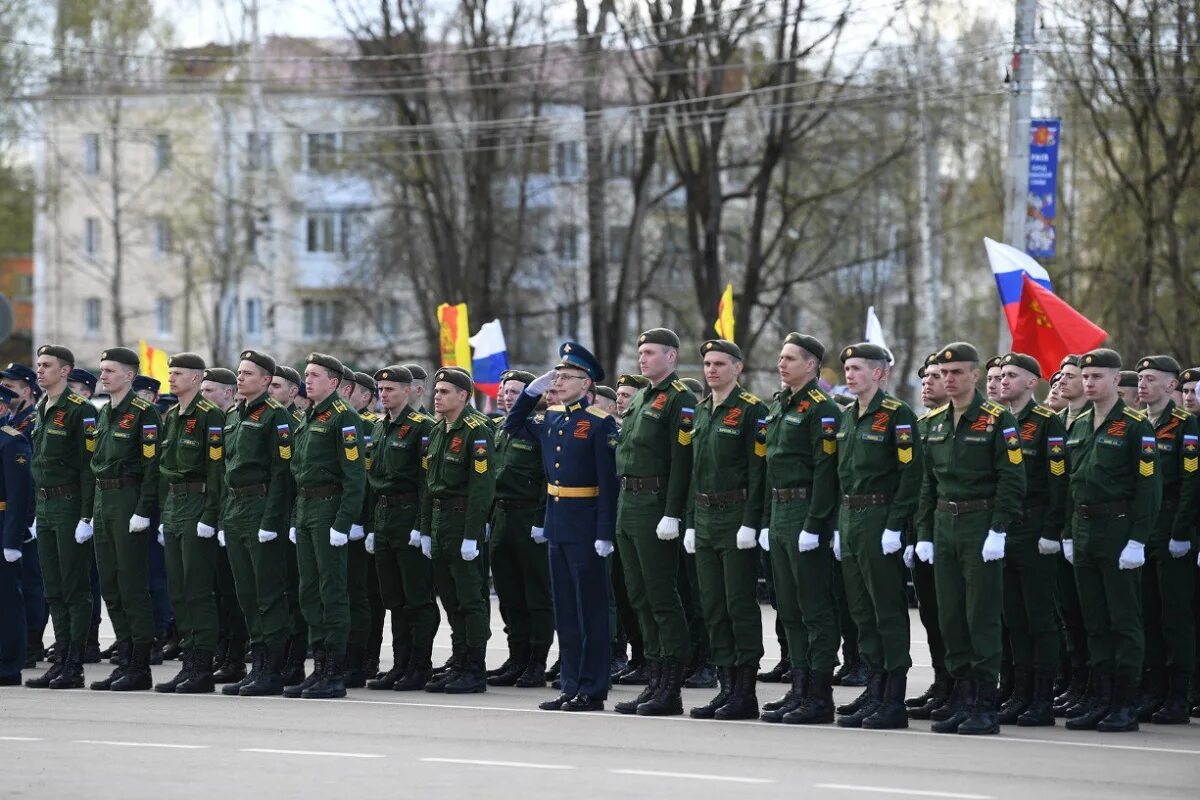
(578, 450)
(32, 586)
(16, 515)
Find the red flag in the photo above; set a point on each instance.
(1048, 329)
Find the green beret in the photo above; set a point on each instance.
(931, 359)
(1161, 363)
(1101, 357)
(1190, 375)
(696, 387)
(810, 343)
(417, 371)
(636, 381)
(1025, 362)
(347, 374)
(288, 374)
(1070, 361)
(1127, 379)
(958, 351)
(517, 375)
(606, 391)
(260, 359)
(394, 374)
(57, 351)
(455, 376)
(220, 375)
(328, 362)
(659, 336)
(121, 355)
(994, 362)
(871, 352)
(187, 361)
(366, 381)
(721, 346)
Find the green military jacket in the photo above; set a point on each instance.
(64, 438)
(394, 455)
(457, 467)
(1178, 437)
(978, 458)
(1044, 451)
(1117, 461)
(127, 445)
(258, 450)
(520, 473)
(878, 454)
(802, 450)
(729, 448)
(328, 452)
(193, 452)
(656, 440)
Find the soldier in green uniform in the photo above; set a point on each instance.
(520, 566)
(192, 467)
(405, 575)
(419, 376)
(125, 464)
(64, 437)
(285, 389)
(1127, 387)
(361, 578)
(459, 489)
(995, 372)
(625, 628)
(801, 501)
(879, 467)
(1032, 550)
(1188, 380)
(654, 463)
(1169, 577)
(1115, 491)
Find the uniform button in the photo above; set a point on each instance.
(556, 483)
(558, 449)
(556, 499)
(556, 465)
(560, 433)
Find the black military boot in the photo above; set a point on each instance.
(617, 661)
(667, 701)
(817, 706)
(43, 681)
(1040, 711)
(438, 681)
(297, 689)
(637, 673)
(775, 709)
(655, 669)
(517, 661)
(700, 674)
(449, 664)
(1074, 692)
(1122, 716)
(91, 652)
(935, 697)
(400, 658)
(1019, 699)
(233, 668)
(508, 662)
(170, 646)
(743, 702)
(121, 651)
(329, 684)
(136, 676)
(852, 667)
(1098, 703)
(353, 676)
(725, 682)
(956, 710)
(939, 679)
(775, 674)
(866, 704)
(890, 713)
(1174, 710)
(269, 682)
(185, 669)
(70, 665)
(553, 670)
(293, 663)
(200, 679)
(983, 719)
(855, 704)
(1088, 698)
(417, 674)
(534, 675)
(109, 653)
(472, 678)
(257, 654)
(1153, 693)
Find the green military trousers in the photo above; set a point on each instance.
(259, 571)
(297, 627)
(803, 589)
(651, 576)
(728, 583)
(521, 571)
(323, 596)
(65, 568)
(969, 595)
(191, 571)
(123, 561)
(405, 581)
(358, 562)
(1110, 597)
(1030, 588)
(459, 583)
(875, 591)
(1168, 585)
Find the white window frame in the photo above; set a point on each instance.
(164, 316)
(91, 154)
(254, 317)
(323, 139)
(92, 310)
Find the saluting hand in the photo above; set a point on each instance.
(541, 383)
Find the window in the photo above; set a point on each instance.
(258, 150)
(566, 160)
(162, 151)
(389, 317)
(539, 158)
(91, 315)
(91, 236)
(566, 244)
(616, 243)
(91, 154)
(162, 236)
(163, 308)
(328, 232)
(322, 151)
(253, 316)
(321, 318)
(621, 161)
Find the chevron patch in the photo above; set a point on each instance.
(1015, 457)
(685, 437)
(480, 465)
(1191, 464)
(1058, 467)
(904, 455)
(1146, 469)
(829, 446)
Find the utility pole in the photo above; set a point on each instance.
(929, 267)
(1020, 112)
(257, 163)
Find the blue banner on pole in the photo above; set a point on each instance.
(1040, 232)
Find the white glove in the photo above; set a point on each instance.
(604, 548)
(414, 539)
(160, 528)
(668, 529)
(205, 531)
(469, 550)
(689, 541)
(808, 541)
(138, 523)
(1178, 549)
(540, 384)
(993, 546)
(292, 535)
(924, 551)
(337, 538)
(427, 546)
(1068, 547)
(83, 531)
(487, 531)
(538, 535)
(370, 543)
(32, 532)
(11, 555)
(746, 538)
(1133, 556)
(764, 539)
(909, 551)
(891, 541)
(266, 536)
(837, 545)
(159, 537)
(1048, 547)
(357, 533)
(221, 538)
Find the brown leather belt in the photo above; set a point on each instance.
(865, 500)
(956, 507)
(720, 499)
(398, 499)
(635, 485)
(1099, 510)
(253, 490)
(452, 504)
(117, 483)
(188, 487)
(322, 491)
(514, 504)
(66, 490)
(783, 496)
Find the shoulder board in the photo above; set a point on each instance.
(679, 386)
(890, 403)
(817, 395)
(340, 407)
(559, 408)
(138, 402)
(1042, 411)
(273, 403)
(415, 416)
(10, 430)
(747, 397)
(298, 415)
(995, 409)
(473, 421)
(1084, 415)
(938, 410)
(1132, 414)
(205, 405)
(597, 412)
(1179, 413)
(74, 398)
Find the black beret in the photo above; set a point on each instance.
(1161, 363)
(606, 391)
(872, 352)
(261, 359)
(121, 355)
(517, 375)
(220, 375)
(288, 374)
(994, 362)
(958, 351)
(1024, 361)
(810, 343)
(1101, 357)
(186, 361)
(659, 336)
(7, 395)
(921, 371)
(721, 346)
(636, 381)
(1127, 379)
(1190, 375)
(365, 381)
(83, 376)
(695, 385)
(931, 359)
(1072, 360)
(1055, 377)
(328, 362)
(456, 377)
(57, 351)
(417, 371)
(576, 356)
(141, 382)
(347, 374)
(394, 374)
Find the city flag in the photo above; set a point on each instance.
(154, 362)
(1010, 266)
(724, 324)
(490, 358)
(455, 344)
(1048, 329)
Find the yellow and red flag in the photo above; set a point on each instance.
(154, 362)
(455, 336)
(724, 324)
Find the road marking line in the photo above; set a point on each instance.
(20, 739)
(850, 787)
(689, 776)
(483, 763)
(1028, 740)
(273, 751)
(142, 744)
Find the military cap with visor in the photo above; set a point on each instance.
(573, 355)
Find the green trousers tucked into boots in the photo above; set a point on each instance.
(1030, 584)
(357, 572)
(65, 568)
(323, 596)
(405, 579)
(521, 571)
(259, 571)
(875, 590)
(651, 577)
(123, 561)
(803, 589)
(297, 627)
(969, 595)
(191, 572)
(1111, 597)
(458, 582)
(728, 579)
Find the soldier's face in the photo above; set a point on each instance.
(1190, 401)
(302, 403)
(960, 378)
(282, 390)
(1100, 383)
(861, 375)
(992, 384)
(20, 388)
(319, 382)
(1015, 382)
(448, 399)
(1070, 383)
(570, 385)
(625, 397)
(51, 372)
(1128, 394)
(1155, 386)
(795, 366)
(361, 397)
(114, 376)
(933, 389)
(183, 381)
(656, 361)
(605, 404)
(394, 396)
(1054, 398)
(81, 388)
(721, 370)
(508, 394)
(252, 380)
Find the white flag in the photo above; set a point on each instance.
(875, 333)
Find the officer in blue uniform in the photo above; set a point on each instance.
(16, 515)
(579, 443)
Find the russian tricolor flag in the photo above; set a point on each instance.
(489, 359)
(1010, 266)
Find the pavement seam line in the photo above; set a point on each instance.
(697, 776)
(850, 787)
(488, 763)
(274, 751)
